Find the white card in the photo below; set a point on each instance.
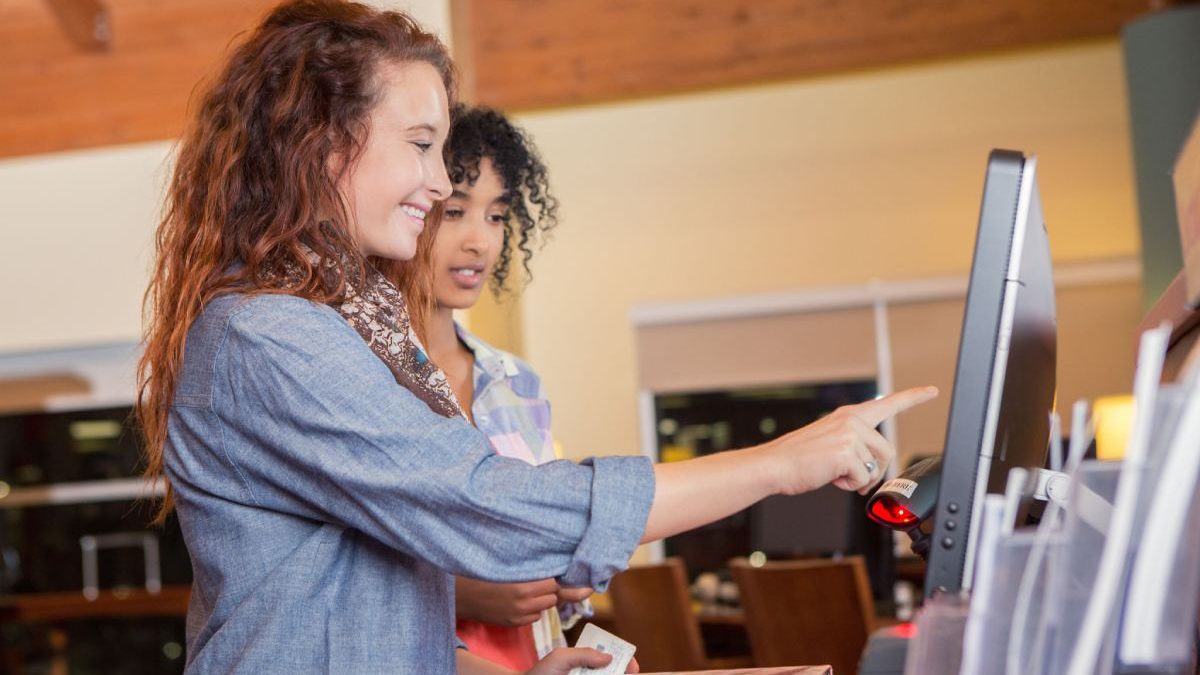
(604, 641)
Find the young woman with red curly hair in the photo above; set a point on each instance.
(325, 478)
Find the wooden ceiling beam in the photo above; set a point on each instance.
(58, 97)
(527, 54)
(87, 22)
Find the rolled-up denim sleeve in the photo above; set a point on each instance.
(315, 425)
(620, 504)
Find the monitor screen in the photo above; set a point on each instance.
(1004, 382)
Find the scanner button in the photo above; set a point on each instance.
(947, 542)
(950, 525)
(952, 507)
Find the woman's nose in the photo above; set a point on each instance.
(438, 181)
(475, 242)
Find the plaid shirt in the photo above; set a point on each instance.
(511, 409)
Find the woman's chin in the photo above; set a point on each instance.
(458, 299)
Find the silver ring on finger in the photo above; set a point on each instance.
(871, 466)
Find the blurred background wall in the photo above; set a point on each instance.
(827, 181)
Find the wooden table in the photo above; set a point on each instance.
(52, 609)
(72, 606)
(785, 670)
(722, 629)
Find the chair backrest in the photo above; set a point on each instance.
(653, 610)
(806, 611)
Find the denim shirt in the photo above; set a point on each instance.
(325, 507)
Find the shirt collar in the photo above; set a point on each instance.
(495, 363)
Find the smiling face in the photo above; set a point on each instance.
(470, 239)
(400, 174)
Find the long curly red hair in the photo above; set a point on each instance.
(252, 183)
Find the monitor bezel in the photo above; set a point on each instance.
(988, 319)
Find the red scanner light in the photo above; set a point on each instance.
(889, 512)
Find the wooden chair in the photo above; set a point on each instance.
(653, 609)
(807, 611)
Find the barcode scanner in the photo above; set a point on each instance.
(904, 503)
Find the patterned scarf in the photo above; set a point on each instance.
(377, 311)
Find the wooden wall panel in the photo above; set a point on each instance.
(22, 394)
(523, 54)
(55, 95)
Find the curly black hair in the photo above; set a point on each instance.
(477, 132)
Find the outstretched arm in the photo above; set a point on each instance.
(842, 448)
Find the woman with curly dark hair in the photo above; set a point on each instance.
(485, 145)
(501, 205)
